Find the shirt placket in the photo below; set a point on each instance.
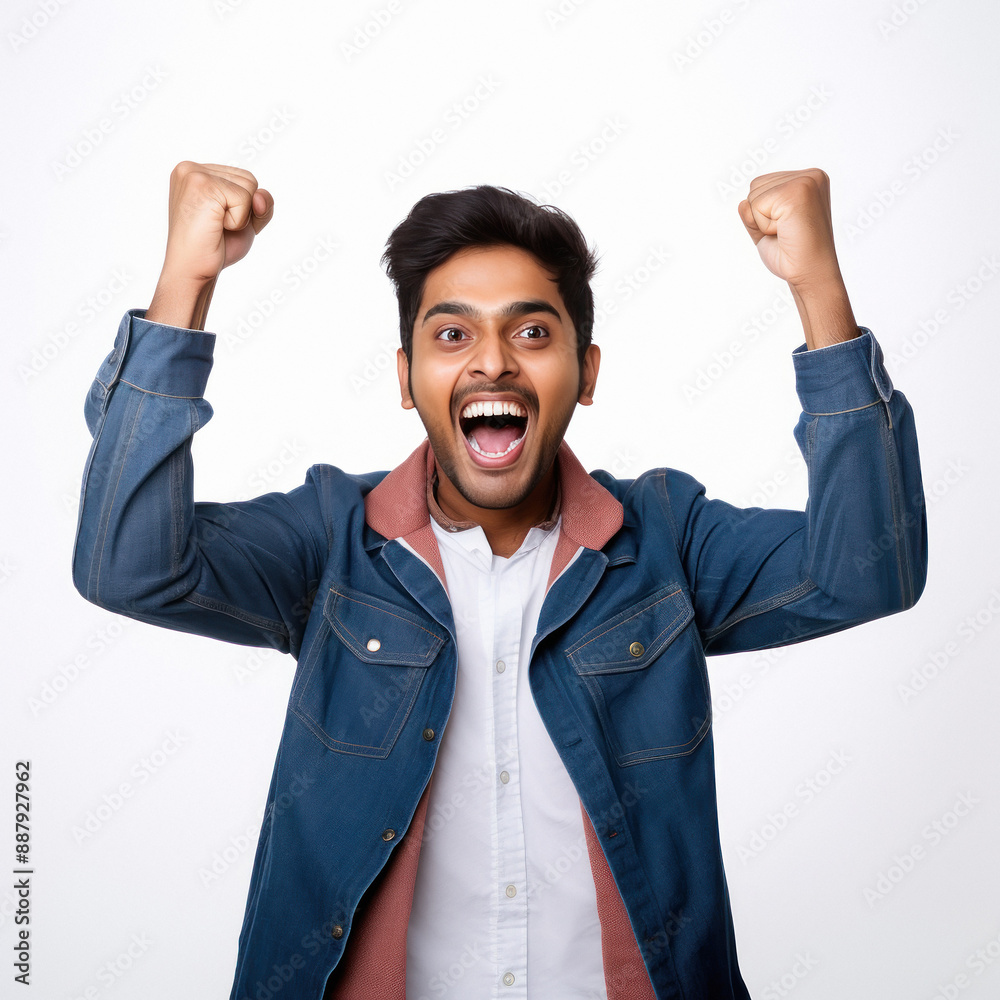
(510, 895)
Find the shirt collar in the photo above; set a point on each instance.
(451, 525)
(399, 506)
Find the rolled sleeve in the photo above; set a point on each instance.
(157, 358)
(841, 377)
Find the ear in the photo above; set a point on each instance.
(403, 370)
(588, 374)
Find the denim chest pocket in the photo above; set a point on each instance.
(363, 672)
(647, 678)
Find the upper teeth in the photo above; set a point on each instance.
(494, 408)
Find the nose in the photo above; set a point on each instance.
(493, 359)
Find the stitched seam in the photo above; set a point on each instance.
(365, 604)
(637, 660)
(209, 604)
(111, 503)
(761, 606)
(834, 413)
(674, 593)
(165, 395)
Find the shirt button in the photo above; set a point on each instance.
(508, 979)
(428, 734)
(374, 645)
(512, 891)
(501, 666)
(637, 649)
(504, 777)
(337, 931)
(388, 835)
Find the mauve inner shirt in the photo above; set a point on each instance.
(504, 904)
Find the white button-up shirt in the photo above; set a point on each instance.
(504, 905)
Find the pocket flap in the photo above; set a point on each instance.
(633, 639)
(379, 632)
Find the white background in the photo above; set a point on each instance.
(131, 906)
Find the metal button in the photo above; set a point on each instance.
(337, 931)
(508, 979)
(374, 645)
(511, 891)
(504, 777)
(637, 649)
(501, 666)
(428, 734)
(388, 834)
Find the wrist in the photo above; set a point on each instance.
(181, 301)
(825, 312)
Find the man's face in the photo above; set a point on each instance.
(492, 333)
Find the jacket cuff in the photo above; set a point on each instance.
(841, 377)
(154, 357)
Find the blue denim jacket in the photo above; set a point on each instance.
(617, 667)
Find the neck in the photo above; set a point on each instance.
(505, 529)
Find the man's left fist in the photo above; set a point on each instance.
(787, 214)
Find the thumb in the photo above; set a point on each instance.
(750, 222)
(263, 209)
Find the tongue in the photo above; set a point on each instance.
(495, 440)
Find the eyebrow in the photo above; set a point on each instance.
(519, 308)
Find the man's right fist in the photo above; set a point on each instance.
(215, 212)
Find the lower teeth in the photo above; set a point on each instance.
(493, 454)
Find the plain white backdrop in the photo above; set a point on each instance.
(151, 751)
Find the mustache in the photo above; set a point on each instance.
(526, 395)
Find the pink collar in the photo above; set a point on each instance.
(397, 507)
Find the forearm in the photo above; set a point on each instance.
(825, 312)
(241, 571)
(181, 302)
(766, 578)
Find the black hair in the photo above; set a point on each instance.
(441, 224)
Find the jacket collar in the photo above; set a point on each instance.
(397, 506)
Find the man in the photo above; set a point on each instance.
(495, 776)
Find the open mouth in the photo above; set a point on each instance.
(493, 429)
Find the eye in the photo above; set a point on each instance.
(451, 334)
(533, 332)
